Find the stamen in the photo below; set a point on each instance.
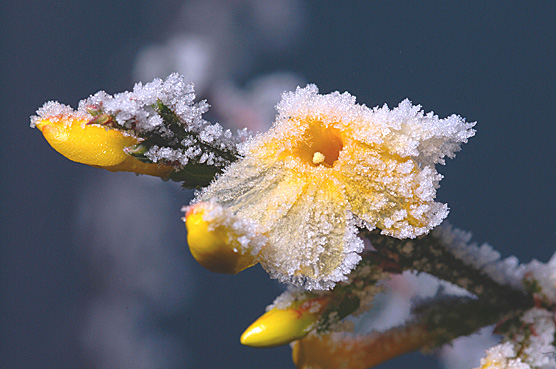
(318, 158)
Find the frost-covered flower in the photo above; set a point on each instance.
(329, 165)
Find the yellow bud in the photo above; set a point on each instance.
(281, 326)
(337, 350)
(95, 145)
(215, 246)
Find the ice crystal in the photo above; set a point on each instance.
(502, 357)
(503, 271)
(545, 276)
(55, 112)
(329, 165)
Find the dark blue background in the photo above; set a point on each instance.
(493, 62)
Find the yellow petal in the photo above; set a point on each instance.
(314, 243)
(388, 191)
(214, 242)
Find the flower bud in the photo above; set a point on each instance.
(281, 326)
(94, 145)
(216, 241)
(338, 350)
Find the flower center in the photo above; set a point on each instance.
(320, 145)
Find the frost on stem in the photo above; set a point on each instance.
(166, 123)
(329, 166)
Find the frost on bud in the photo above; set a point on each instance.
(219, 241)
(281, 326)
(156, 129)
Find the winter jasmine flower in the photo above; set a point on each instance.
(328, 166)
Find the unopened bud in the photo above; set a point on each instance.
(214, 243)
(282, 326)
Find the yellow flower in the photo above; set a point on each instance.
(328, 166)
(281, 326)
(69, 133)
(338, 350)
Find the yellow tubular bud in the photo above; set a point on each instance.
(95, 145)
(335, 350)
(215, 246)
(282, 326)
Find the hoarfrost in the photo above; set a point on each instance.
(502, 357)
(56, 111)
(504, 271)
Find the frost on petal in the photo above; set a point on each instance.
(56, 112)
(311, 238)
(315, 243)
(391, 193)
(252, 191)
(425, 137)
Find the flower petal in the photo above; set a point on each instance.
(391, 192)
(315, 243)
(252, 191)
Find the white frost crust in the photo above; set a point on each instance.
(545, 275)
(504, 271)
(536, 350)
(406, 130)
(539, 353)
(502, 356)
(55, 111)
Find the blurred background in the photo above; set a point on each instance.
(94, 269)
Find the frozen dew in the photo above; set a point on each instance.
(503, 271)
(502, 356)
(55, 112)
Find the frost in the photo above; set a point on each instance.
(532, 346)
(545, 276)
(55, 112)
(503, 271)
(539, 348)
(502, 357)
